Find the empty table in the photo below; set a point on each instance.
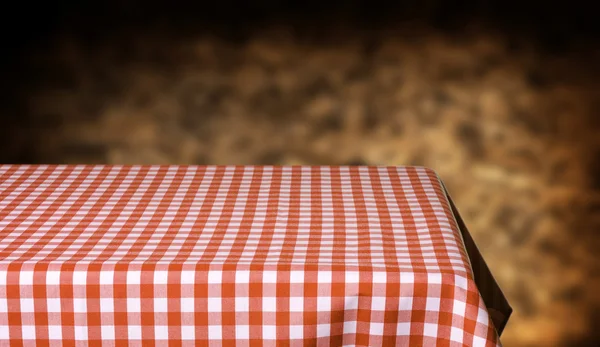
(245, 255)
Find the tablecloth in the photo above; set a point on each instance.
(245, 255)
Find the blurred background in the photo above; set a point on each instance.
(501, 98)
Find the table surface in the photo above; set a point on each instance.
(214, 254)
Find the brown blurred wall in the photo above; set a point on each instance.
(502, 99)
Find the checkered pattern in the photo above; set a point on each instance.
(212, 255)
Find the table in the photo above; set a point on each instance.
(251, 255)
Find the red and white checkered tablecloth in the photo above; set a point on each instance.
(224, 255)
